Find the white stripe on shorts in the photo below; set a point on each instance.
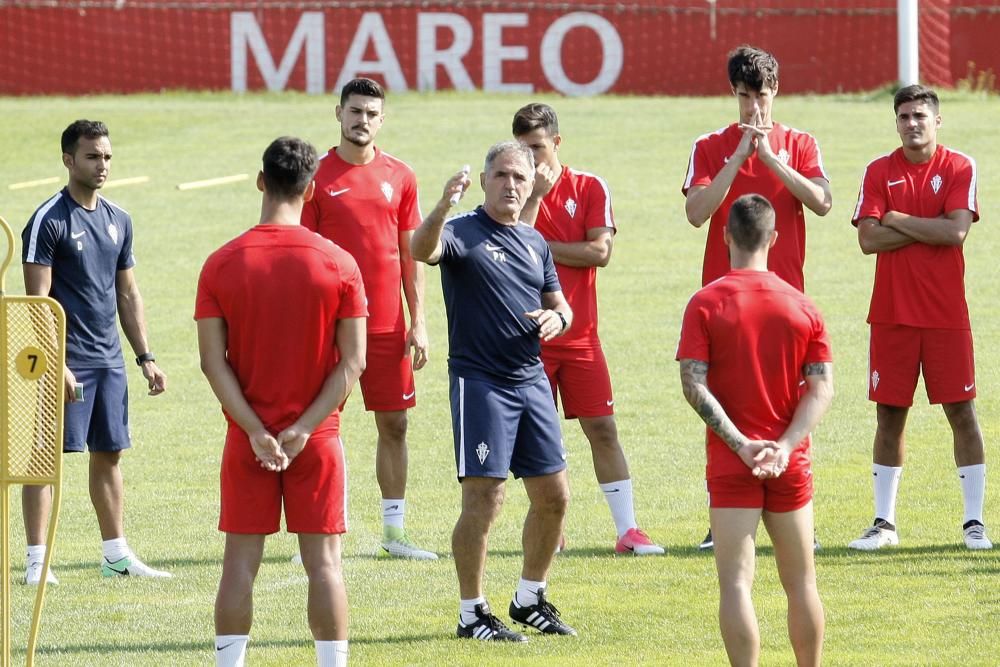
(461, 427)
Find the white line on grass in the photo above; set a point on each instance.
(31, 184)
(135, 180)
(209, 182)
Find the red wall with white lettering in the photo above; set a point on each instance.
(639, 46)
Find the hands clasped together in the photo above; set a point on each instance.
(276, 453)
(765, 458)
(751, 142)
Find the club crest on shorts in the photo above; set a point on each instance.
(113, 232)
(387, 190)
(874, 379)
(571, 207)
(482, 451)
(936, 183)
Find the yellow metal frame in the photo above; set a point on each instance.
(34, 459)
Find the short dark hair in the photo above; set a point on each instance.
(88, 129)
(289, 166)
(362, 86)
(915, 93)
(502, 147)
(751, 221)
(754, 67)
(535, 116)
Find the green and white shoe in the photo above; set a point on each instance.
(395, 543)
(131, 566)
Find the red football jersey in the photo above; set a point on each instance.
(577, 203)
(798, 149)
(363, 209)
(755, 332)
(281, 290)
(919, 285)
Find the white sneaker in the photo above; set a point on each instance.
(975, 537)
(131, 566)
(33, 574)
(880, 534)
(396, 543)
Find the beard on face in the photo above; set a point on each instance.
(360, 143)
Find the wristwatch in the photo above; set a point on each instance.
(562, 318)
(144, 357)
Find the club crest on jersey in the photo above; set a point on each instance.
(936, 183)
(783, 156)
(387, 190)
(482, 451)
(874, 380)
(113, 232)
(571, 207)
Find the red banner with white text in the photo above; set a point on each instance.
(574, 47)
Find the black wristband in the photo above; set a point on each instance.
(562, 318)
(144, 357)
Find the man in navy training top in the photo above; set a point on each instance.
(502, 298)
(77, 248)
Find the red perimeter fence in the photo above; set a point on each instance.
(575, 47)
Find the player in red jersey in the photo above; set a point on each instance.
(756, 155)
(572, 210)
(281, 331)
(914, 212)
(366, 202)
(748, 343)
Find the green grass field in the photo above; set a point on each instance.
(928, 602)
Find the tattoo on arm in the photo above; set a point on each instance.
(814, 369)
(694, 382)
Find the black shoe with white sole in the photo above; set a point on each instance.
(543, 616)
(488, 627)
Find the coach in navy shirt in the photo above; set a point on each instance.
(502, 296)
(77, 248)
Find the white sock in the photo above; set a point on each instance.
(619, 497)
(331, 653)
(973, 479)
(527, 592)
(115, 549)
(393, 510)
(886, 487)
(36, 553)
(467, 609)
(230, 650)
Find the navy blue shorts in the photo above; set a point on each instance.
(100, 420)
(502, 429)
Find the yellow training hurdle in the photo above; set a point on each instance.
(32, 347)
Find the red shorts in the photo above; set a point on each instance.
(580, 376)
(313, 489)
(387, 383)
(898, 354)
(787, 493)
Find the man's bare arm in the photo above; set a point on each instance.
(413, 289)
(351, 343)
(132, 314)
(702, 201)
(425, 243)
(873, 237)
(595, 251)
(226, 387)
(948, 230)
(694, 376)
(812, 405)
